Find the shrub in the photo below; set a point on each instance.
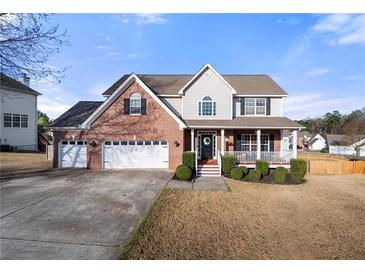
(298, 167)
(228, 163)
(244, 170)
(254, 175)
(188, 159)
(280, 174)
(236, 173)
(262, 166)
(184, 172)
(296, 176)
(324, 150)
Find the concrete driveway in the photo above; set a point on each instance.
(74, 214)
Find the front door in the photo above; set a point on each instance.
(207, 146)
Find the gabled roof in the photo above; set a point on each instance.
(199, 73)
(314, 138)
(76, 115)
(119, 91)
(170, 84)
(340, 139)
(6, 81)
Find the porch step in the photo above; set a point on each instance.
(208, 170)
(208, 166)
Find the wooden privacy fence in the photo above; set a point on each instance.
(333, 165)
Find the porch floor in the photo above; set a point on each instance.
(208, 162)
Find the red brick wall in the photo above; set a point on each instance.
(114, 125)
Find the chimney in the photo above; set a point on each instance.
(26, 80)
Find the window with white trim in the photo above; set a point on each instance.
(255, 106)
(207, 107)
(249, 142)
(7, 120)
(16, 120)
(135, 103)
(24, 120)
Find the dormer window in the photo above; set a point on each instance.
(207, 107)
(135, 104)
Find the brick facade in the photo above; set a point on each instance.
(114, 125)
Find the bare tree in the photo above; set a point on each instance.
(355, 132)
(27, 41)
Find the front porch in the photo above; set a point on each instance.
(246, 145)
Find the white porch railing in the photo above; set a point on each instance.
(219, 160)
(273, 157)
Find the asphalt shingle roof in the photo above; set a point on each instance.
(6, 81)
(254, 122)
(76, 115)
(171, 84)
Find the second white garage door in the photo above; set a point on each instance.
(136, 154)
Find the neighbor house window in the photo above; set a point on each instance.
(255, 106)
(135, 104)
(24, 120)
(16, 120)
(207, 107)
(249, 142)
(7, 120)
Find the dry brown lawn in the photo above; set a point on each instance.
(14, 164)
(321, 219)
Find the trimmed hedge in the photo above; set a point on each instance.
(228, 162)
(262, 166)
(184, 172)
(236, 173)
(280, 174)
(188, 159)
(244, 170)
(298, 167)
(254, 175)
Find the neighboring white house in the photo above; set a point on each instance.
(316, 142)
(18, 114)
(342, 144)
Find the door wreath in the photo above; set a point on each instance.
(206, 141)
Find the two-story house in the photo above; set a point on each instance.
(147, 121)
(18, 125)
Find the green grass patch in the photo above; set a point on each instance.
(143, 227)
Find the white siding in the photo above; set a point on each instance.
(175, 103)
(236, 106)
(345, 150)
(276, 107)
(318, 144)
(15, 102)
(211, 86)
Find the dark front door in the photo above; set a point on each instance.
(207, 146)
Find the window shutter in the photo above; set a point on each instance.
(243, 106)
(238, 142)
(126, 106)
(268, 106)
(200, 108)
(271, 142)
(214, 108)
(143, 106)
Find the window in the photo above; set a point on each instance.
(135, 104)
(24, 120)
(249, 142)
(16, 120)
(7, 120)
(207, 107)
(255, 106)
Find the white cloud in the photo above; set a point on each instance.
(150, 18)
(342, 29)
(355, 77)
(319, 71)
(315, 104)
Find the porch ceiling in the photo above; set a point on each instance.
(246, 122)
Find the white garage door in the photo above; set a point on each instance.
(73, 154)
(136, 154)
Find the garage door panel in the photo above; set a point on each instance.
(142, 154)
(73, 155)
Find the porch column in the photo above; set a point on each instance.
(258, 141)
(223, 141)
(294, 143)
(192, 139)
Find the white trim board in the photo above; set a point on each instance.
(119, 91)
(206, 66)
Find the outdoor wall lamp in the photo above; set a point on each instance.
(176, 143)
(93, 144)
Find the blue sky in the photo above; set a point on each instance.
(318, 59)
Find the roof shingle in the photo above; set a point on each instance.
(6, 81)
